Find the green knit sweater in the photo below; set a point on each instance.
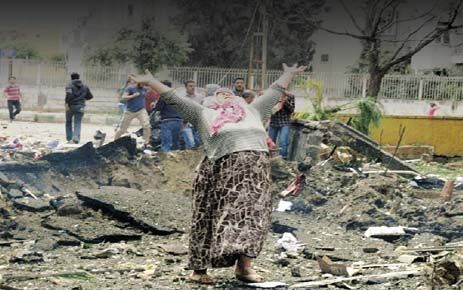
(247, 134)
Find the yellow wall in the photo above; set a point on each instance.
(444, 133)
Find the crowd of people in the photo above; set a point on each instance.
(165, 129)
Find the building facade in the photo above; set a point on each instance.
(339, 53)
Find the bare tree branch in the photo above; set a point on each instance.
(351, 16)
(379, 17)
(430, 37)
(390, 22)
(427, 13)
(370, 10)
(406, 40)
(361, 37)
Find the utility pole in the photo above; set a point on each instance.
(264, 43)
(258, 48)
(251, 65)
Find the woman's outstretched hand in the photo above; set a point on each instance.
(294, 69)
(143, 79)
(288, 73)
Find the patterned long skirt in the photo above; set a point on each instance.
(231, 209)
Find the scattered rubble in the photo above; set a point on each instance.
(118, 217)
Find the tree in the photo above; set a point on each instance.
(220, 31)
(381, 53)
(23, 50)
(146, 47)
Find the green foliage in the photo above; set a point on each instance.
(218, 30)
(369, 112)
(23, 50)
(315, 95)
(146, 47)
(59, 58)
(110, 55)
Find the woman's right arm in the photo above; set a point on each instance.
(187, 108)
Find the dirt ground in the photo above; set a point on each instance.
(75, 244)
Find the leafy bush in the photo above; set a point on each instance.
(369, 112)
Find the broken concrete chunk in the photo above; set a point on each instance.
(280, 228)
(4, 180)
(266, 285)
(27, 257)
(69, 209)
(176, 250)
(81, 156)
(409, 259)
(338, 269)
(384, 231)
(125, 143)
(15, 193)
(127, 205)
(30, 204)
(90, 230)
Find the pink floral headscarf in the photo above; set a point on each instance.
(229, 112)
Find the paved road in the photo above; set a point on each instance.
(29, 132)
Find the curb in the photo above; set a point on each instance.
(47, 117)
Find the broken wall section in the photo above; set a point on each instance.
(306, 140)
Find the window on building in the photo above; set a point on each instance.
(325, 57)
(446, 38)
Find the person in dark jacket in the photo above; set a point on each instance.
(280, 122)
(76, 95)
(171, 124)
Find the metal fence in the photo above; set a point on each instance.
(56, 74)
(221, 76)
(335, 85)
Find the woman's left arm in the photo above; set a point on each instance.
(265, 103)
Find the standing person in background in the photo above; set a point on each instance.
(238, 86)
(122, 105)
(189, 134)
(76, 95)
(151, 98)
(249, 96)
(135, 97)
(280, 123)
(13, 95)
(432, 109)
(171, 124)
